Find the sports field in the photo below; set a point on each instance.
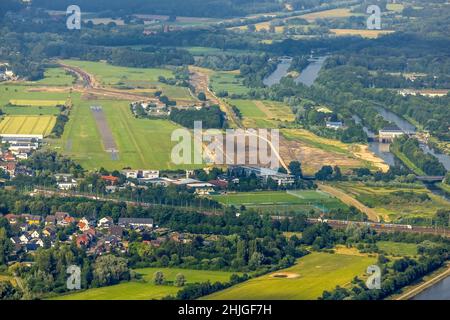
(147, 290)
(141, 143)
(27, 125)
(290, 200)
(306, 280)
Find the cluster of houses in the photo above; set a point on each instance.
(9, 164)
(152, 108)
(156, 108)
(19, 147)
(97, 236)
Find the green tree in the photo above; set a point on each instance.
(110, 270)
(158, 278)
(180, 280)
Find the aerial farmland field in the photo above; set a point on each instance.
(27, 125)
(146, 289)
(306, 280)
(262, 114)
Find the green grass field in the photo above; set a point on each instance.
(395, 202)
(311, 275)
(271, 200)
(27, 125)
(142, 143)
(262, 114)
(228, 81)
(56, 77)
(113, 75)
(22, 93)
(397, 248)
(147, 290)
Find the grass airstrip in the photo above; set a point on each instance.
(145, 289)
(142, 143)
(306, 280)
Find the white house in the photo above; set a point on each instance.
(105, 222)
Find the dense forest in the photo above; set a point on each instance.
(210, 117)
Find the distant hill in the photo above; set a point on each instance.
(193, 8)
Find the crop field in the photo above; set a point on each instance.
(24, 110)
(263, 114)
(306, 280)
(395, 202)
(398, 248)
(141, 143)
(37, 103)
(227, 81)
(327, 14)
(303, 200)
(27, 125)
(371, 34)
(146, 289)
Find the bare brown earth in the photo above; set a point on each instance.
(345, 198)
(285, 275)
(313, 159)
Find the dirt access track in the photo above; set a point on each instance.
(348, 200)
(91, 87)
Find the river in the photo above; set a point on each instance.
(439, 291)
(307, 76)
(382, 149)
(280, 72)
(311, 72)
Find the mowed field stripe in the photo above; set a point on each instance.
(130, 133)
